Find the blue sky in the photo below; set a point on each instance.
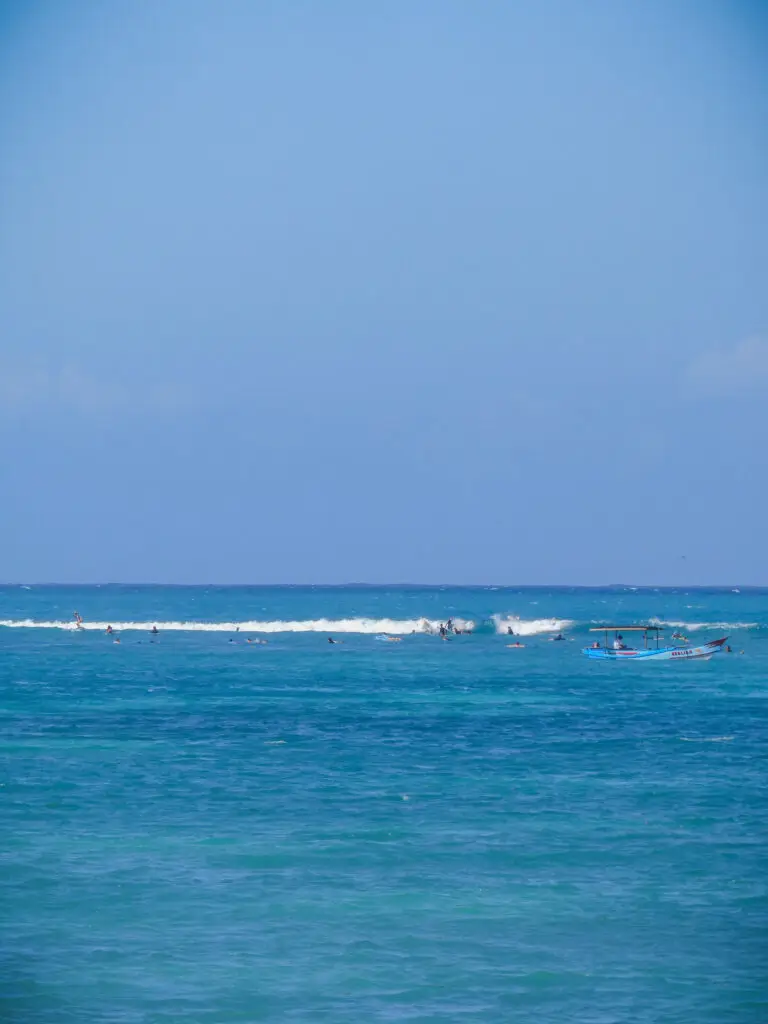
(433, 291)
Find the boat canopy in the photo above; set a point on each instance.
(625, 629)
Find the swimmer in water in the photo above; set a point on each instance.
(154, 631)
(517, 644)
(109, 631)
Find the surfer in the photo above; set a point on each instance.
(442, 631)
(109, 631)
(510, 631)
(331, 640)
(154, 631)
(558, 637)
(516, 644)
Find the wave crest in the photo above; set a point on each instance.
(362, 625)
(691, 626)
(529, 627)
(500, 623)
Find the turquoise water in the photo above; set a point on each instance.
(215, 831)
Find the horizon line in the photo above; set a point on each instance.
(398, 585)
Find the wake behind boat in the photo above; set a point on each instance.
(616, 649)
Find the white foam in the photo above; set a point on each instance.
(706, 739)
(397, 627)
(691, 626)
(392, 626)
(529, 627)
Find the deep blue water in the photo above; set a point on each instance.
(199, 830)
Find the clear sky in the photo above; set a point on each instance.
(426, 291)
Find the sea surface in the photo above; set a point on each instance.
(201, 829)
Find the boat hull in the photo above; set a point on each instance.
(704, 651)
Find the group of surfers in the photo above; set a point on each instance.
(450, 627)
(444, 631)
(109, 631)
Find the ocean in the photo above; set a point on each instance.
(202, 829)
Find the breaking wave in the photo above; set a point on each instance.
(395, 626)
(497, 624)
(691, 626)
(529, 627)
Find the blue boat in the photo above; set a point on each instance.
(616, 650)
